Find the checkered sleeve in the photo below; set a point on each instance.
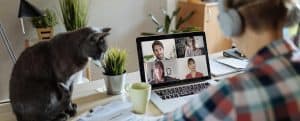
(215, 103)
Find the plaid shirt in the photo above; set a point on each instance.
(268, 90)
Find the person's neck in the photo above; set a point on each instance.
(253, 41)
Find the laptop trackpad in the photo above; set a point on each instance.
(169, 105)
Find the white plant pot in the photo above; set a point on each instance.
(115, 84)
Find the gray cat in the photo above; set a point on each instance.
(41, 84)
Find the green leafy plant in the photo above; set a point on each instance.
(74, 13)
(166, 27)
(114, 61)
(49, 20)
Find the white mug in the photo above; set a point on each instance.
(139, 95)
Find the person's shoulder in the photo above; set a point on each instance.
(240, 82)
(259, 75)
(198, 51)
(187, 76)
(279, 64)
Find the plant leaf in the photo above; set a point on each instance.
(114, 61)
(167, 24)
(185, 19)
(74, 13)
(154, 20)
(176, 12)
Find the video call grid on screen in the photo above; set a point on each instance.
(173, 59)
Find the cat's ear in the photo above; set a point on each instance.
(105, 32)
(103, 35)
(106, 29)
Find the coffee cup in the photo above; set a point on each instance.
(139, 95)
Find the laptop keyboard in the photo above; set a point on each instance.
(175, 92)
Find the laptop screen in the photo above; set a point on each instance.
(176, 58)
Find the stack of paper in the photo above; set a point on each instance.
(218, 69)
(223, 66)
(114, 111)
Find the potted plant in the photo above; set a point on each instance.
(114, 69)
(74, 13)
(165, 28)
(44, 25)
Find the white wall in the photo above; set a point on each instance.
(127, 18)
(8, 19)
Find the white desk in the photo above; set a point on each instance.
(86, 97)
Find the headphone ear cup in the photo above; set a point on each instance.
(230, 22)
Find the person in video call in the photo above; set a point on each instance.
(158, 50)
(159, 74)
(190, 49)
(269, 89)
(192, 66)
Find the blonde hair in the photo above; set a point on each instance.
(270, 14)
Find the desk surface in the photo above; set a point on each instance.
(86, 97)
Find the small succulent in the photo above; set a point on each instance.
(166, 27)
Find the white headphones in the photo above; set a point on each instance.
(230, 21)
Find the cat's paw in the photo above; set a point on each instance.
(63, 87)
(74, 106)
(62, 117)
(64, 90)
(72, 110)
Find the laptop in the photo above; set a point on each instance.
(176, 65)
